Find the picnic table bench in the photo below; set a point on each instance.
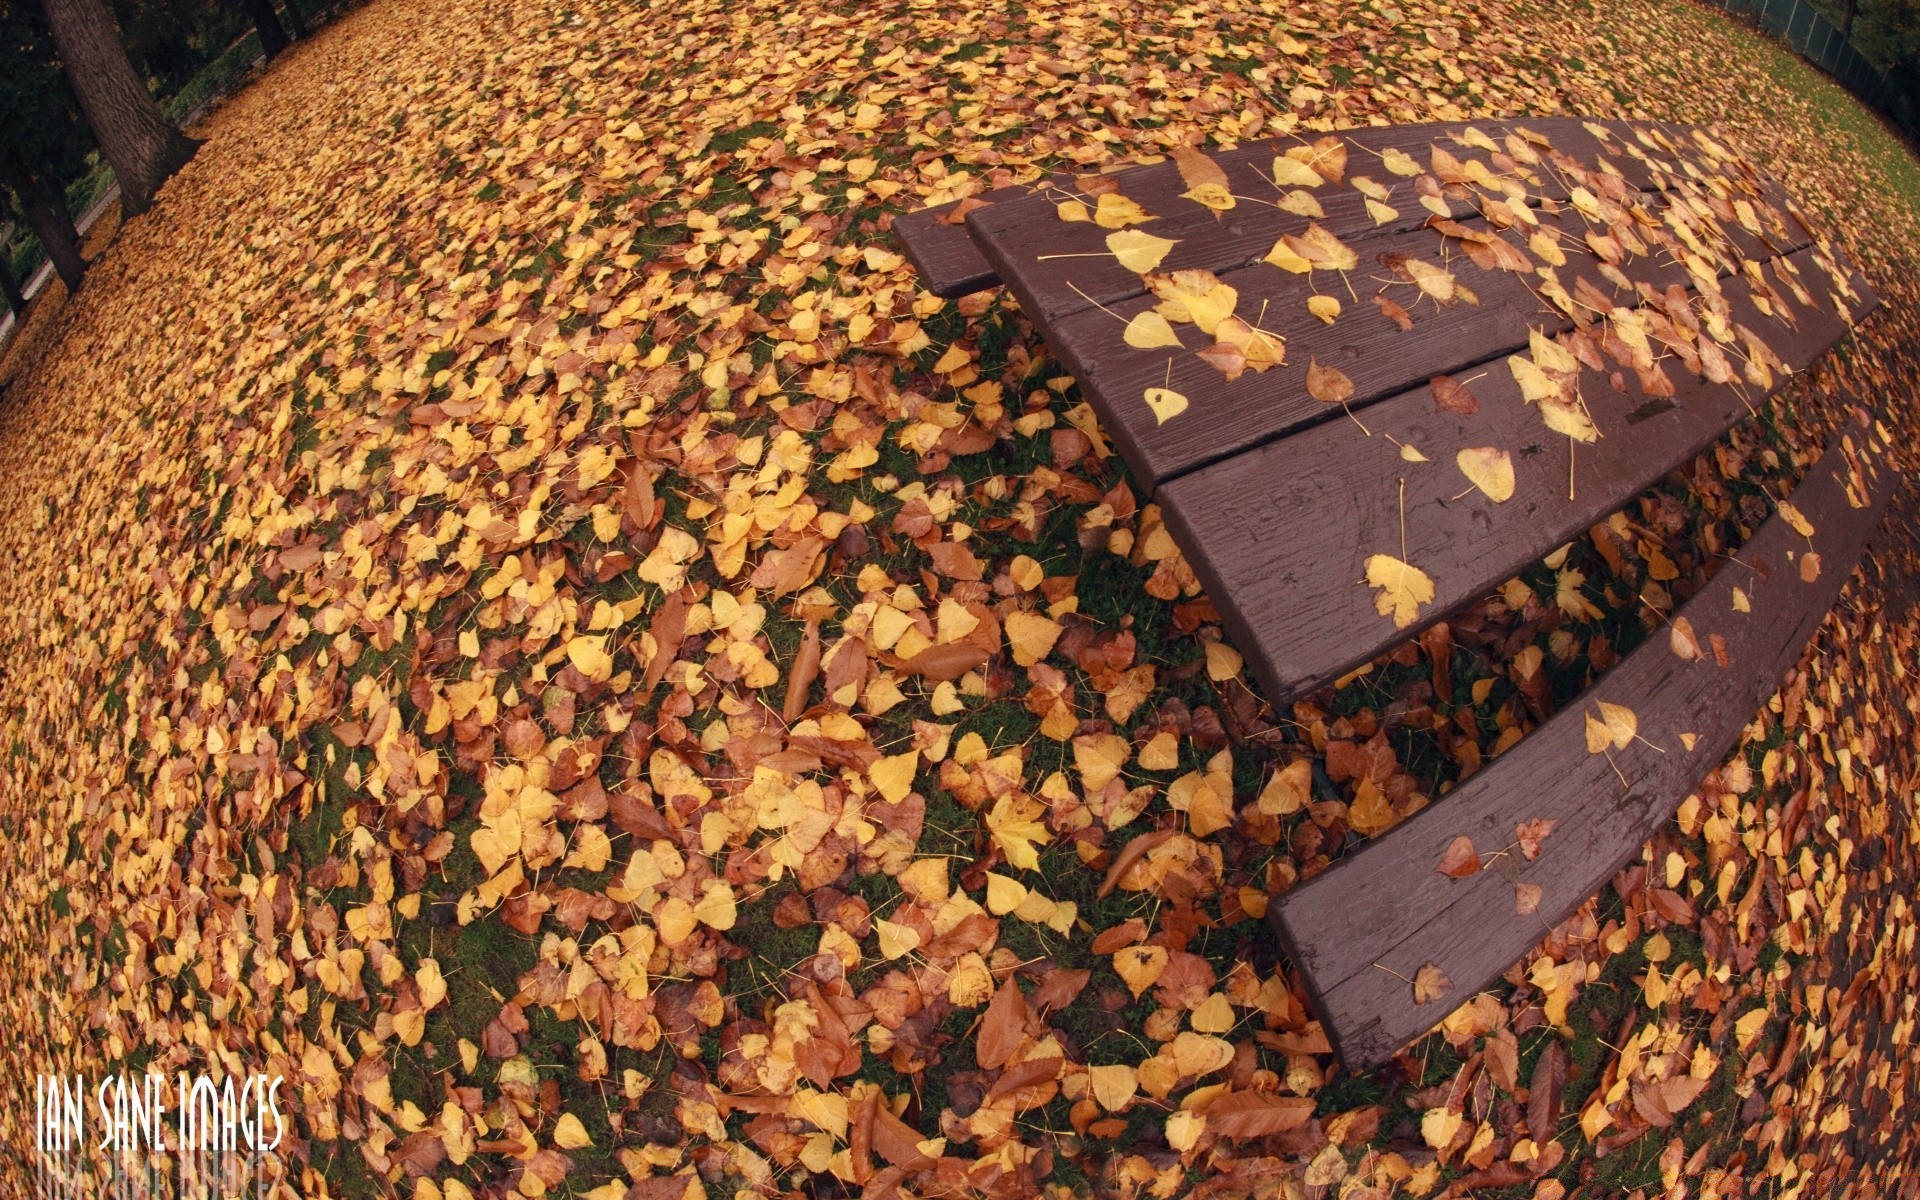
(1371, 376)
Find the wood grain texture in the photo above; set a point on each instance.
(1280, 535)
(948, 263)
(1380, 915)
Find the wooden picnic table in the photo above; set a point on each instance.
(1369, 376)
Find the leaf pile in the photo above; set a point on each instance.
(523, 619)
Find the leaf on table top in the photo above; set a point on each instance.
(1072, 210)
(1257, 348)
(1683, 642)
(1392, 311)
(1460, 860)
(1138, 252)
(1291, 172)
(1325, 307)
(1193, 295)
(1165, 403)
(1403, 588)
(1430, 983)
(1328, 385)
(1490, 469)
(1301, 203)
(1149, 330)
(1286, 258)
(1796, 519)
(1531, 833)
(1615, 727)
(1399, 162)
(1450, 395)
(1205, 179)
(1326, 157)
(1114, 211)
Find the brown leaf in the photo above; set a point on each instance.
(1026, 1074)
(1531, 833)
(1681, 639)
(1450, 395)
(1526, 899)
(805, 669)
(1460, 860)
(1003, 1027)
(1328, 385)
(1253, 1114)
(1394, 312)
(1430, 983)
(1544, 1092)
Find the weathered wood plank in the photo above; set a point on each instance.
(948, 263)
(1280, 535)
(1375, 919)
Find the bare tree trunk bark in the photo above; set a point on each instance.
(47, 213)
(144, 148)
(297, 21)
(1846, 21)
(273, 38)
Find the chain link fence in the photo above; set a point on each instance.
(1803, 28)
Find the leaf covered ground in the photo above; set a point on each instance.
(523, 619)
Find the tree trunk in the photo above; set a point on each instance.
(273, 39)
(1846, 20)
(47, 213)
(10, 288)
(144, 148)
(296, 20)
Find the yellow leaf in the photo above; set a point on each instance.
(1139, 966)
(570, 1134)
(1196, 296)
(1016, 831)
(1381, 213)
(716, 907)
(1223, 661)
(1291, 172)
(1569, 419)
(1289, 790)
(1794, 517)
(1165, 403)
(1489, 469)
(1114, 211)
(1324, 307)
(589, 656)
(1301, 204)
(1403, 588)
(1439, 1127)
(1031, 636)
(1411, 453)
(1620, 721)
(433, 987)
(1184, 1129)
(1004, 894)
(1283, 256)
(1215, 1015)
(1740, 602)
(1072, 210)
(1138, 252)
(893, 776)
(1211, 195)
(1114, 1086)
(895, 939)
(1399, 162)
(1149, 330)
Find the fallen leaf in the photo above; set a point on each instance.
(1403, 588)
(1149, 330)
(1328, 385)
(1138, 252)
(1490, 469)
(1460, 860)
